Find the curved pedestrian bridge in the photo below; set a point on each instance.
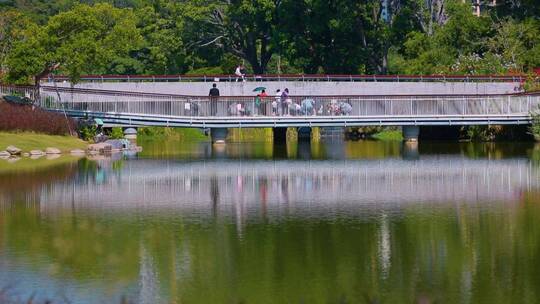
(118, 108)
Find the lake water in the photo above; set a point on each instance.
(331, 222)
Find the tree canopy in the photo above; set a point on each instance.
(39, 37)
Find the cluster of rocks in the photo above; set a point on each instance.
(13, 153)
(108, 147)
(112, 146)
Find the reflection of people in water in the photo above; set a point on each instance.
(285, 188)
(214, 194)
(263, 192)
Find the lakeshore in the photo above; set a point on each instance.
(28, 141)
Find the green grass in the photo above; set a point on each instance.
(388, 135)
(183, 134)
(33, 141)
(250, 134)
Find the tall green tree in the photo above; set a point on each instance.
(244, 28)
(85, 39)
(13, 27)
(516, 44)
(341, 36)
(162, 50)
(460, 35)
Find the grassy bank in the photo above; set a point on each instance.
(388, 135)
(250, 134)
(246, 134)
(181, 134)
(32, 141)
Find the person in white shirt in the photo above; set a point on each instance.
(240, 73)
(276, 103)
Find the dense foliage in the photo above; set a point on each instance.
(30, 119)
(535, 126)
(39, 37)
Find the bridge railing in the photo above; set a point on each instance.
(296, 77)
(95, 101)
(21, 91)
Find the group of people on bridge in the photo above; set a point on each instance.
(281, 104)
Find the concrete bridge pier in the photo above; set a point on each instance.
(219, 135)
(410, 133)
(130, 134)
(279, 135)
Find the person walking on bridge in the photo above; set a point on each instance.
(276, 103)
(260, 103)
(285, 102)
(214, 94)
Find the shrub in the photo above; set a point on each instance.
(480, 133)
(116, 133)
(534, 129)
(29, 118)
(87, 132)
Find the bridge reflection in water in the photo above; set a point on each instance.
(279, 187)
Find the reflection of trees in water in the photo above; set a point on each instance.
(445, 254)
(16, 185)
(535, 154)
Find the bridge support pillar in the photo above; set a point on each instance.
(130, 134)
(410, 133)
(304, 133)
(280, 135)
(219, 135)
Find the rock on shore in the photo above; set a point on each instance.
(37, 152)
(52, 151)
(13, 150)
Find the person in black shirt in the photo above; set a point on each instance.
(214, 94)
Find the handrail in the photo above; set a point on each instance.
(143, 94)
(297, 77)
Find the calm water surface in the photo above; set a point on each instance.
(336, 222)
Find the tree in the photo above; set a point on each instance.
(13, 26)
(83, 40)
(518, 9)
(429, 14)
(245, 28)
(517, 44)
(162, 50)
(340, 36)
(461, 35)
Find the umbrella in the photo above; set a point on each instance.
(257, 89)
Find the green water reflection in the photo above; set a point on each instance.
(444, 252)
(450, 255)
